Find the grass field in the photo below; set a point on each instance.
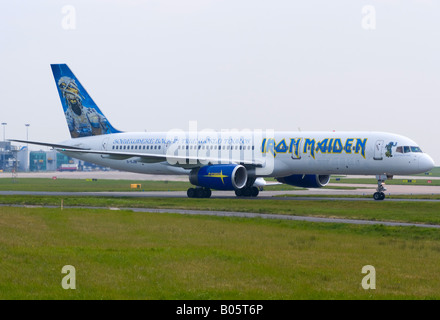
(413, 212)
(418, 182)
(87, 185)
(434, 172)
(127, 255)
(83, 185)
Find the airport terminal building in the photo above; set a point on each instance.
(21, 159)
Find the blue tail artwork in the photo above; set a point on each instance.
(82, 114)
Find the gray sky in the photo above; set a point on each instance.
(156, 65)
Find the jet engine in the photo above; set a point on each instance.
(306, 180)
(219, 177)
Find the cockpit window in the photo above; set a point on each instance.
(415, 149)
(408, 149)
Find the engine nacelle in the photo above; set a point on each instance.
(219, 177)
(306, 180)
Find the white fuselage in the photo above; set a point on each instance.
(279, 153)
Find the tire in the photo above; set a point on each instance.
(379, 196)
(246, 192)
(238, 193)
(199, 193)
(254, 191)
(191, 192)
(207, 193)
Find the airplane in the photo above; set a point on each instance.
(231, 160)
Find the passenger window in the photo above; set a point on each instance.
(399, 150)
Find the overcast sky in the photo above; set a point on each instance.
(155, 65)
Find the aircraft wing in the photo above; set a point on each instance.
(46, 144)
(179, 161)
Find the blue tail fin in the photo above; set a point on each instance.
(82, 114)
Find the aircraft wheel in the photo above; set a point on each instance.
(254, 191)
(379, 196)
(207, 193)
(238, 193)
(246, 192)
(199, 193)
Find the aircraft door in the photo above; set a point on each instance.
(378, 150)
(104, 144)
(295, 145)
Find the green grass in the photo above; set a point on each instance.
(416, 182)
(404, 211)
(434, 172)
(364, 196)
(128, 255)
(83, 185)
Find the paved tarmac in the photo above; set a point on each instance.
(361, 189)
(264, 195)
(318, 194)
(254, 215)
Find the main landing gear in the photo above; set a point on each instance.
(198, 193)
(206, 192)
(247, 192)
(380, 194)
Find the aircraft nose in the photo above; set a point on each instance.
(426, 163)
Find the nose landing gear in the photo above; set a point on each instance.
(380, 194)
